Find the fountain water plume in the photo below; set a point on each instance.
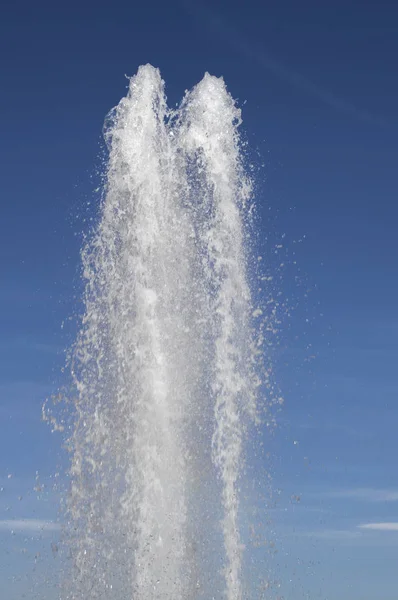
(164, 363)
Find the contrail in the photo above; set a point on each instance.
(268, 62)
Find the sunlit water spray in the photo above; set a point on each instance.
(164, 365)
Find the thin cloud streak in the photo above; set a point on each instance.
(379, 526)
(28, 525)
(269, 63)
(368, 535)
(364, 494)
(332, 534)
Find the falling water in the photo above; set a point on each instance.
(164, 363)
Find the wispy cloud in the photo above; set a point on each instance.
(363, 494)
(354, 536)
(271, 64)
(333, 534)
(379, 526)
(28, 525)
(329, 427)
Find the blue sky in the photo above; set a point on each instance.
(321, 92)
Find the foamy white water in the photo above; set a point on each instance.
(164, 364)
